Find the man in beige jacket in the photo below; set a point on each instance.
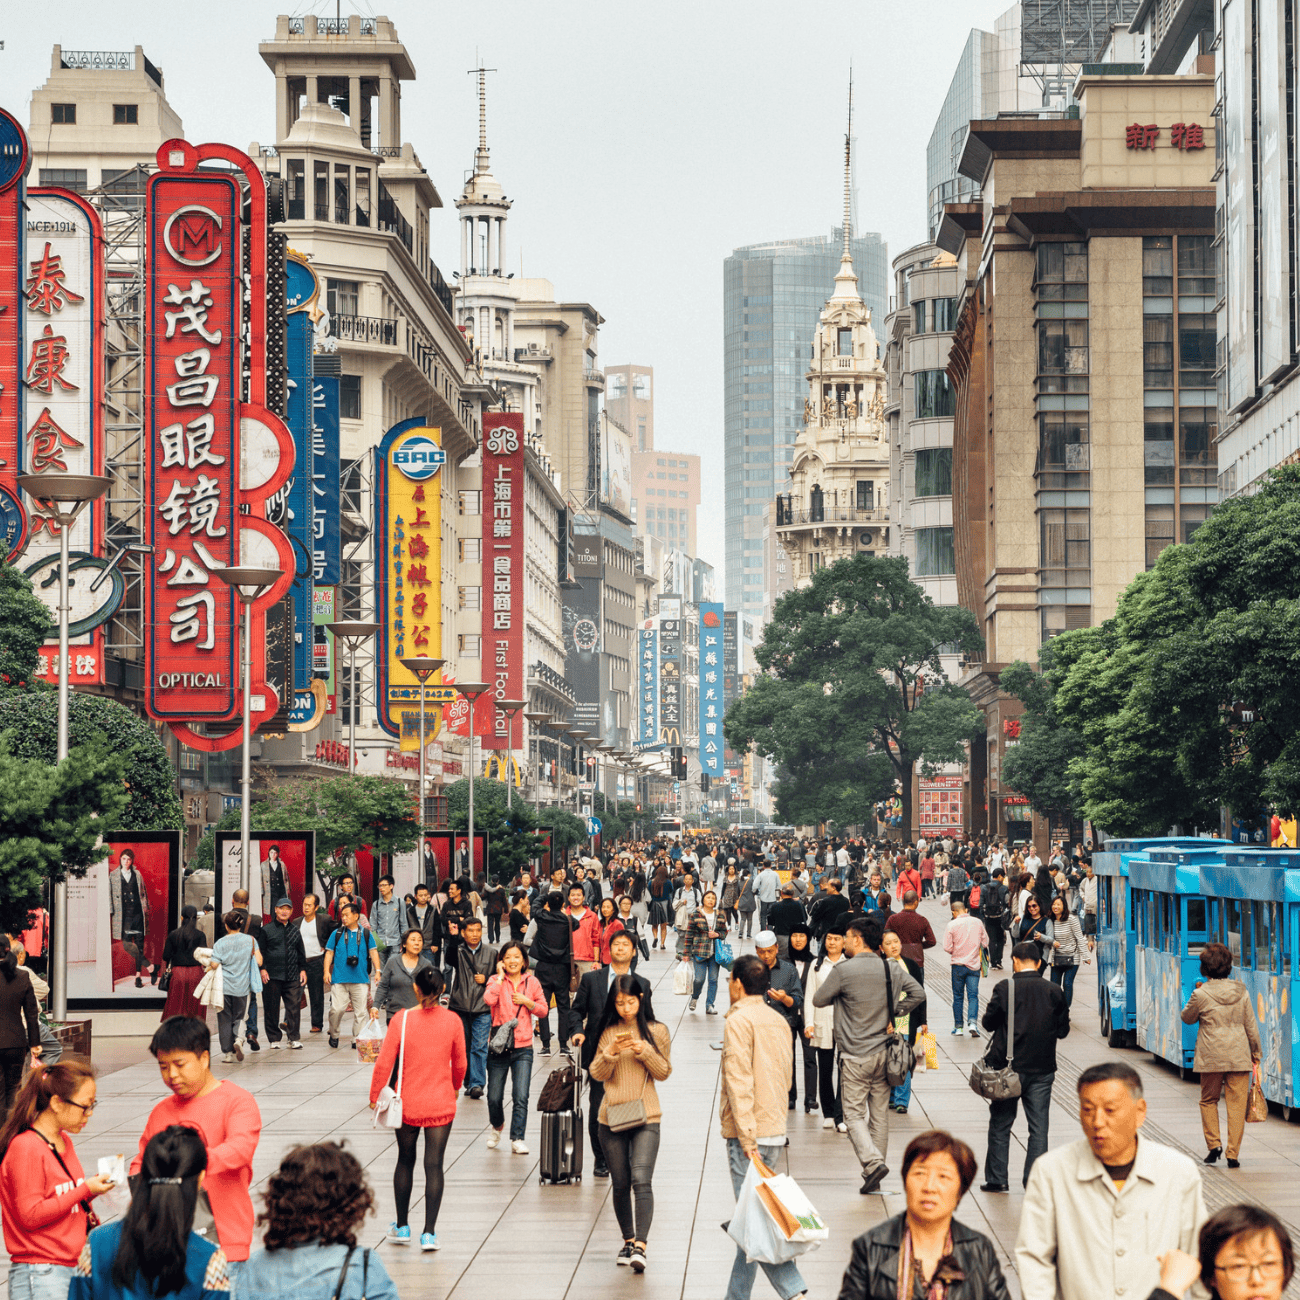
(757, 1058)
(1099, 1213)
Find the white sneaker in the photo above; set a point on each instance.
(294, 1045)
(494, 1140)
(228, 1058)
(841, 1127)
(518, 1147)
(276, 1046)
(828, 1123)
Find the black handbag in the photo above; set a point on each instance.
(898, 1055)
(165, 980)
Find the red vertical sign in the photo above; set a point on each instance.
(15, 158)
(504, 513)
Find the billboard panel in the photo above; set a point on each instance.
(670, 676)
(503, 560)
(292, 509)
(284, 864)
(648, 685)
(1276, 315)
(582, 647)
(616, 467)
(327, 481)
(1239, 192)
(712, 707)
(15, 159)
(730, 657)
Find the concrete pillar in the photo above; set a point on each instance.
(501, 244)
(354, 103)
(386, 111)
(283, 111)
(312, 91)
(464, 242)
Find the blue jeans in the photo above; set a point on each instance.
(709, 968)
(785, 1278)
(1064, 976)
(39, 1281)
(902, 1095)
(518, 1063)
(478, 1029)
(1036, 1094)
(965, 981)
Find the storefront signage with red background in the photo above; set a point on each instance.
(504, 513)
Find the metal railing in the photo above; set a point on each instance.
(441, 289)
(789, 516)
(364, 329)
(98, 60)
(387, 151)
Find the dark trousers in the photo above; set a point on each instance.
(11, 1068)
(493, 929)
(797, 1035)
(927, 888)
(1036, 1094)
(274, 992)
(595, 1095)
(554, 981)
(997, 939)
(828, 1084)
(809, 1072)
(316, 990)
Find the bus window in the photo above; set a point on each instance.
(1263, 953)
(1287, 937)
(1232, 925)
(1196, 926)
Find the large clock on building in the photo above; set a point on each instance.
(585, 635)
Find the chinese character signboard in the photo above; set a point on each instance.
(15, 159)
(214, 459)
(712, 706)
(293, 510)
(670, 680)
(730, 658)
(408, 570)
(648, 685)
(503, 560)
(326, 480)
(582, 639)
(1187, 136)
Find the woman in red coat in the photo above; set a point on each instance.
(423, 1057)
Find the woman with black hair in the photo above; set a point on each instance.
(632, 1053)
(186, 970)
(424, 1060)
(801, 956)
(512, 994)
(20, 1026)
(155, 1251)
(661, 911)
(1035, 927)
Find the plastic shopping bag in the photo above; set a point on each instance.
(684, 978)
(370, 1040)
(931, 1050)
(754, 1229)
(1257, 1106)
(792, 1211)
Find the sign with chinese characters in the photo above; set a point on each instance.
(293, 510)
(213, 459)
(670, 680)
(15, 159)
(648, 685)
(730, 658)
(326, 474)
(408, 569)
(503, 561)
(1182, 135)
(712, 706)
(64, 416)
(323, 649)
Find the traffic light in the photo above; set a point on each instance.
(678, 763)
(704, 782)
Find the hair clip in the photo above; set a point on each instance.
(166, 1182)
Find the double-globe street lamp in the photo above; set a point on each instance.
(539, 720)
(422, 667)
(354, 634)
(510, 708)
(471, 691)
(64, 497)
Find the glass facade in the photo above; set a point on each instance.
(773, 295)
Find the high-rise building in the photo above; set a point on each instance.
(773, 295)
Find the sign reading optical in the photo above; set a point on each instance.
(419, 458)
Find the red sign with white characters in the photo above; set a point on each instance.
(15, 158)
(504, 513)
(210, 453)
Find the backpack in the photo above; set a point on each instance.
(994, 908)
(975, 896)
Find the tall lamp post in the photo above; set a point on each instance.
(64, 497)
(510, 708)
(471, 691)
(354, 635)
(422, 667)
(248, 582)
(539, 720)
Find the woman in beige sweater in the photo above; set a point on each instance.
(632, 1052)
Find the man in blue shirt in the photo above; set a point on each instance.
(350, 959)
(386, 920)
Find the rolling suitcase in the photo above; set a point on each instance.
(562, 1140)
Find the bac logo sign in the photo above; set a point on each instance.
(192, 235)
(419, 458)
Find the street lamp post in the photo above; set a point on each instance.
(248, 582)
(538, 719)
(64, 497)
(471, 691)
(354, 635)
(510, 708)
(423, 668)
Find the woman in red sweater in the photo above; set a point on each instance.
(44, 1195)
(423, 1057)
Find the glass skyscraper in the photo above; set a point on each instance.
(773, 295)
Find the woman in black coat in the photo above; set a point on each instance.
(20, 1026)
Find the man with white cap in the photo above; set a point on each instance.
(785, 990)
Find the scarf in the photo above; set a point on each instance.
(910, 1281)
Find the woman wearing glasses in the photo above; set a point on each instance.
(44, 1194)
(1244, 1254)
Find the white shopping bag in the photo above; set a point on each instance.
(684, 977)
(752, 1226)
(792, 1211)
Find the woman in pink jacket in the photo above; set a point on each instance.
(512, 994)
(423, 1057)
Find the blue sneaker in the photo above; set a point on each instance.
(401, 1236)
(428, 1241)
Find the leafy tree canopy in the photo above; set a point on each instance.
(854, 694)
(25, 624)
(512, 838)
(1038, 766)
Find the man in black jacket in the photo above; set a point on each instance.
(783, 916)
(549, 940)
(475, 961)
(993, 909)
(586, 1016)
(830, 908)
(284, 975)
(1041, 1018)
(423, 916)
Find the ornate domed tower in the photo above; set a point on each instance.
(836, 502)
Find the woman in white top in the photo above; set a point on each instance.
(819, 1029)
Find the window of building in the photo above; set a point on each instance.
(126, 114)
(865, 494)
(471, 503)
(844, 344)
(616, 387)
(321, 191)
(1195, 264)
(342, 297)
(918, 316)
(663, 474)
(640, 386)
(1157, 266)
(640, 435)
(1158, 447)
(471, 597)
(350, 397)
(471, 550)
(933, 472)
(945, 315)
(671, 464)
(1196, 342)
(934, 555)
(63, 114)
(295, 188)
(470, 645)
(1158, 351)
(363, 196)
(1159, 530)
(934, 395)
(1062, 347)
(1063, 450)
(1198, 458)
(661, 461)
(1065, 548)
(342, 194)
(68, 178)
(1062, 272)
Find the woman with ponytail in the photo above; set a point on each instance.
(44, 1195)
(154, 1251)
(20, 1025)
(423, 1059)
(179, 959)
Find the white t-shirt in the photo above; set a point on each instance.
(310, 941)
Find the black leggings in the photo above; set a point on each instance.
(435, 1148)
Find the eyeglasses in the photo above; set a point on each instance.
(1270, 1270)
(87, 1109)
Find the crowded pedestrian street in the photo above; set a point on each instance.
(560, 1241)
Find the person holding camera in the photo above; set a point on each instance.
(351, 959)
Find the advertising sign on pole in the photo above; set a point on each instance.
(648, 685)
(503, 560)
(712, 707)
(326, 480)
(285, 862)
(15, 159)
(670, 679)
(730, 657)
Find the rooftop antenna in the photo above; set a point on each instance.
(481, 157)
(848, 165)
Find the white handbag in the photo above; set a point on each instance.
(388, 1105)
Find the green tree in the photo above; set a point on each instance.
(854, 693)
(567, 831)
(512, 838)
(25, 625)
(29, 722)
(1038, 766)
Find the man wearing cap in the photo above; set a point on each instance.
(284, 975)
(784, 993)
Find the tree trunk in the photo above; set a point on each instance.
(905, 830)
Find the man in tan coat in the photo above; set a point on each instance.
(757, 1058)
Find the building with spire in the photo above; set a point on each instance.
(836, 502)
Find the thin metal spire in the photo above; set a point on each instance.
(481, 157)
(848, 165)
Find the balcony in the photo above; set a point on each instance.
(108, 61)
(596, 377)
(789, 516)
(364, 329)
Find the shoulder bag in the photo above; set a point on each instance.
(503, 1036)
(999, 1084)
(898, 1056)
(624, 1115)
(92, 1219)
(388, 1105)
(343, 1272)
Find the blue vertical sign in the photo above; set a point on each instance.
(325, 475)
(648, 687)
(712, 706)
(296, 513)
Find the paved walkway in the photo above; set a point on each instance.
(560, 1242)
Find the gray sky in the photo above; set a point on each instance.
(640, 143)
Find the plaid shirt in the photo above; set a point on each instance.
(699, 947)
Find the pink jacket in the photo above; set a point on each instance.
(498, 994)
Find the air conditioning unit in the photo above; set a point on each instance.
(866, 537)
